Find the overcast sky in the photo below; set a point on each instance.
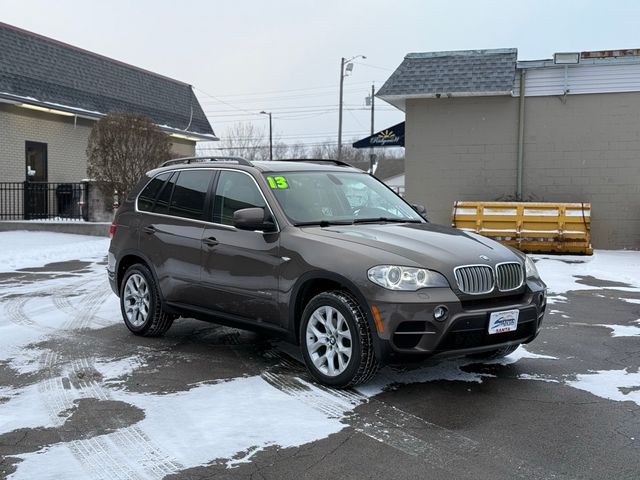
(244, 56)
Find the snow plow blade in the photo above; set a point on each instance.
(527, 226)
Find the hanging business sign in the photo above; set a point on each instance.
(389, 137)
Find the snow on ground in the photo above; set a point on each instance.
(610, 265)
(26, 409)
(230, 420)
(619, 385)
(622, 330)
(24, 249)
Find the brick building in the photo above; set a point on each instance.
(52, 93)
(575, 125)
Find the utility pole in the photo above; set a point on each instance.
(345, 67)
(372, 157)
(342, 61)
(270, 135)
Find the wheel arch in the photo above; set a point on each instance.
(311, 284)
(129, 258)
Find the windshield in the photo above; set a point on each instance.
(310, 198)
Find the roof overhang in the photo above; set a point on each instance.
(68, 111)
(399, 101)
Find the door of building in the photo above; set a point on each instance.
(36, 189)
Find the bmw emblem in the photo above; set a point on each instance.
(485, 258)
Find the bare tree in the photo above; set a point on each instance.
(244, 140)
(121, 148)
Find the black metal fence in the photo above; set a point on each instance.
(43, 201)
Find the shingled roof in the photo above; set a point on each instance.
(457, 73)
(44, 71)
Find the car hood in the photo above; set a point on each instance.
(432, 246)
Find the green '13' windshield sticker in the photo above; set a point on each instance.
(277, 182)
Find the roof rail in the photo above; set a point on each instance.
(239, 160)
(336, 162)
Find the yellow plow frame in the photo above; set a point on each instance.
(530, 227)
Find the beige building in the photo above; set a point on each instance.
(51, 94)
(575, 128)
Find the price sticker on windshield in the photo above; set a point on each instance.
(277, 182)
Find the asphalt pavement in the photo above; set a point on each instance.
(84, 398)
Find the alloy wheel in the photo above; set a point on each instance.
(329, 341)
(136, 300)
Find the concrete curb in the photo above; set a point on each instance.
(98, 229)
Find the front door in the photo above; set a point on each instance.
(36, 204)
(239, 268)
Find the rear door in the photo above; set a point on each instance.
(171, 232)
(239, 268)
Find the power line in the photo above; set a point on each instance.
(222, 101)
(282, 91)
(374, 66)
(257, 100)
(291, 111)
(354, 133)
(217, 149)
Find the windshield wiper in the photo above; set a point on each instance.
(323, 223)
(386, 219)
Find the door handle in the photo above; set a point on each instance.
(150, 229)
(210, 241)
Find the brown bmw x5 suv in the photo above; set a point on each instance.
(319, 253)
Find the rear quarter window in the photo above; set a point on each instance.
(148, 195)
(164, 197)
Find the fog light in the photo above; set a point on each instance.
(440, 313)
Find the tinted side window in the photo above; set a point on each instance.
(189, 194)
(149, 193)
(162, 203)
(234, 191)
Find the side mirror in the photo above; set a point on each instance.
(420, 210)
(253, 219)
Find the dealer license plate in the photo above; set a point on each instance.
(501, 322)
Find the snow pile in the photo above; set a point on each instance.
(22, 249)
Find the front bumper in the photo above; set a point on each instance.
(410, 331)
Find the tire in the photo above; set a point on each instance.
(348, 327)
(139, 289)
(497, 353)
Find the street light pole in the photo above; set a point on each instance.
(349, 67)
(270, 135)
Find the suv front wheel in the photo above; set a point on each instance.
(336, 341)
(140, 303)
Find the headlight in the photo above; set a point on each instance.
(394, 277)
(530, 267)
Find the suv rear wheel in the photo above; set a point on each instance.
(140, 303)
(336, 341)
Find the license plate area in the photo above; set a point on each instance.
(505, 321)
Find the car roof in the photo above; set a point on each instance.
(302, 165)
(294, 165)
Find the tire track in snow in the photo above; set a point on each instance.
(408, 433)
(15, 306)
(107, 457)
(14, 309)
